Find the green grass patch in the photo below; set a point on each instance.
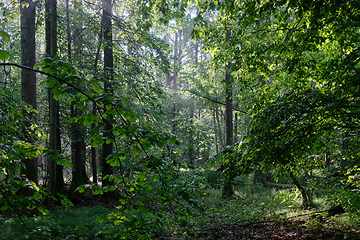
(68, 223)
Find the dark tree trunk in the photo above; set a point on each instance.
(78, 147)
(236, 128)
(109, 74)
(221, 140)
(215, 132)
(56, 179)
(227, 190)
(93, 153)
(307, 202)
(28, 79)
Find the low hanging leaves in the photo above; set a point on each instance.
(4, 55)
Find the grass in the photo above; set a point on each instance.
(67, 223)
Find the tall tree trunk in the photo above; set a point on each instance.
(227, 190)
(215, 132)
(174, 80)
(191, 132)
(221, 140)
(236, 127)
(78, 147)
(109, 74)
(93, 153)
(168, 78)
(56, 179)
(28, 78)
(93, 149)
(191, 113)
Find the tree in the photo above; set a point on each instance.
(108, 88)
(56, 179)
(227, 190)
(78, 146)
(28, 79)
(308, 75)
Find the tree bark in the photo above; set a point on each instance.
(56, 179)
(307, 202)
(216, 133)
(78, 147)
(108, 87)
(191, 113)
(93, 153)
(227, 190)
(28, 79)
(221, 140)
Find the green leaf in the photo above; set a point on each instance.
(96, 87)
(68, 164)
(141, 176)
(51, 82)
(132, 129)
(81, 189)
(5, 36)
(72, 77)
(38, 65)
(37, 196)
(114, 163)
(94, 143)
(64, 202)
(57, 97)
(43, 211)
(34, 186)
(148, 187)
(79, 105)
(4, 55)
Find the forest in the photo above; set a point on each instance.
(174, 119)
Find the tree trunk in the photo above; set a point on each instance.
(227, 190)
(28, 79)
(109, 74)
(174, 80)
(191, 114)
(221, 140)
(215, 132)
(305, 196)
(190, 132)
(168, 78)
(56, 179)
(93, 153)
(236, 139)
(78, 148)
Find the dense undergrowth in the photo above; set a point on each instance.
(275, 209)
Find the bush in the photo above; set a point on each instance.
(213, 178)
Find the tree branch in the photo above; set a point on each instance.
(215, 101)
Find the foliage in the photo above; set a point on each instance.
(13, 185)
(7, 15)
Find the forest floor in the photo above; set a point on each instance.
(278, 230)
(254, 212)
(262, 215)
(286, 229)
